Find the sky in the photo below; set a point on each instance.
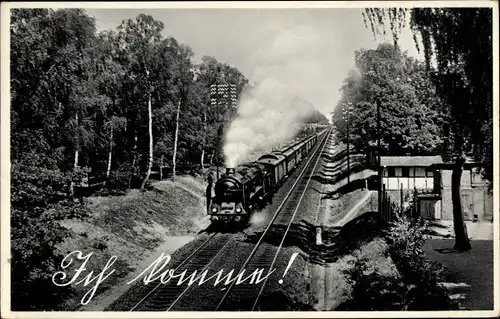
(310, 51)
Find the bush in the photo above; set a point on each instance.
(40, 198)
(416, 286)
(421, 276)
(122, 179)
(118, 181)
(371, 290)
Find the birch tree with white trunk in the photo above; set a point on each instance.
(176, 138)
(150, 132)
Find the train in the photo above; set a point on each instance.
(242, 190)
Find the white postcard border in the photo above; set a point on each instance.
(5, 156)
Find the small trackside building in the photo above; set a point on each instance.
(477, 196)
(431, 178)
(408, 172)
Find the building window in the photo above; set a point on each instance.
(398, 171)
(419, 172)
(429, 173)
(405, 172)
(411, 171)
(391, 172)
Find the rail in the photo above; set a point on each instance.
(171, 297)
(291, 220)
(278, 210)
(184, 262)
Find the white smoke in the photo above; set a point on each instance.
(270, 112)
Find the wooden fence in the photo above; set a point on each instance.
(393, 207)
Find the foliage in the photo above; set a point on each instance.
(459, 41)
(118, 181)
(40, 198)
(79, 109)
(317, 117)
(421, 276)
(52, 96)
(371, 291)
(415, 286)
(411, 115)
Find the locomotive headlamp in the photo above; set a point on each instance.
(214, 210)
(238, 209)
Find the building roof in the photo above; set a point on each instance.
(410, 160)
(449, 166)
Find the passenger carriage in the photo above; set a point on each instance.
(276, 166)
(251, 185)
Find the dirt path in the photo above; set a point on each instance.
(168, 245)
(469, 275)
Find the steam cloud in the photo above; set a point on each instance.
(266, 117)
(270, 112)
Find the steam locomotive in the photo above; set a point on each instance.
(252, 185)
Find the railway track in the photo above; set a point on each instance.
(261, 256)
(163, 296)
(168, 297)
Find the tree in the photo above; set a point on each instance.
(88, 104)
(52, 77)
(184, 77)
(52, 80)
(460, 40)
(108, 115)
(411, 114)
(212, 72)
(139, 41)
(317, 117)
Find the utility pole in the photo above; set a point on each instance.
(347, 111)
(378, 158)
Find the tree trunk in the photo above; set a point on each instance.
(461, 237)
(75, 164)
(175, 140)
(76, 159)
(134, 159)
(76, 150)
(161, 168)
(108, 171)
(202, 159)
(212, 157)
(150, 159)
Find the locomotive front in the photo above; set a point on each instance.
(228, 203)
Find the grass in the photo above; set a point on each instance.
(360, 274)
(340, 289)
(131, 227)
(389, 273)
(166, 209)
(339, 206)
